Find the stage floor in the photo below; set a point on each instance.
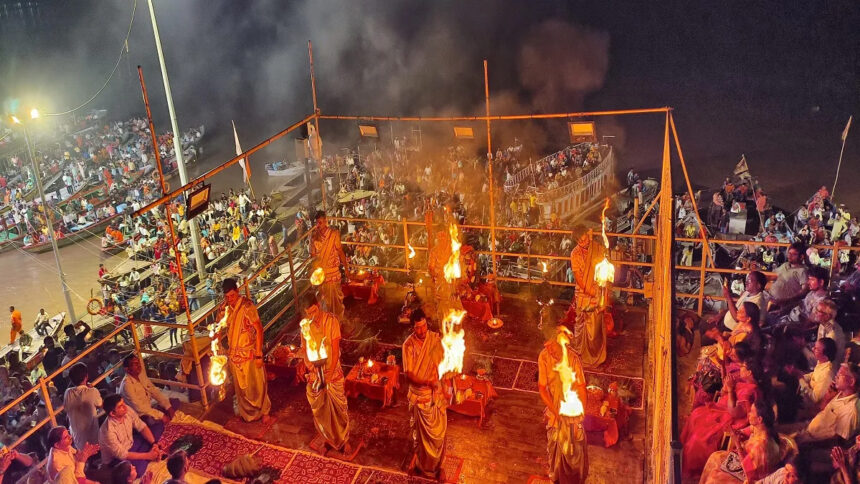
(511, 444)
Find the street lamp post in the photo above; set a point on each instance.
(177, 144)
(50, 219)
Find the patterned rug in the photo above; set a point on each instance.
(220, 447)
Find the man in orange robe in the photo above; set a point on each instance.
(245, 356)
(17, 324)
(422, 353)
(327, 252)
(566, 443)
(589, 340)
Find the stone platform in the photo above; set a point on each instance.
(511, 444)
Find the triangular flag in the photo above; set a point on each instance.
(246, 169)
(847, 127)
(742, 167)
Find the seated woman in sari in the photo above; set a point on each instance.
(706, 424)
(747, 330)
(756, 450)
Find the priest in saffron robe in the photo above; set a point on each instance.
(566, 445)
(588, 311)
(422, 353)
(326, 396)
(245, 356)
(327, 252)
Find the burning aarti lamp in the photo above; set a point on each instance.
(318, 276)
(315, 353)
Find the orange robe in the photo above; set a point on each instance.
(590, 330)
(566, 444)
(428, 416)
(249, 380)
(325, 249)
(328, 404)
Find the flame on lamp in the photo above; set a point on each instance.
(453, 343)
(452, 267)
(318, 276)
(570, 405)
(411, 251)
(315, 350)
(543, 263)
(370, 363)
(604, 271)
(217, 370)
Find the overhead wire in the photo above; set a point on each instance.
(124, 48)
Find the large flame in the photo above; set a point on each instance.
(604, 271)
(411, 251)
(453, 342)
(315, 350)
(571, 405)
(543, 264)
(218, 362)
(452, 267)
(318, 276)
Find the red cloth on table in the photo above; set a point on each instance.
(365, 286)
(473, 406)
(383, 392)
(480, 310)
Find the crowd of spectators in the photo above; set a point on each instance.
(775, 391)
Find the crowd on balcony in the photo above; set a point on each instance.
(775, 391)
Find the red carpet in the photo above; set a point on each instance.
(220, 447)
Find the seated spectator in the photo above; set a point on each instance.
(177, 466)
(124, 436)
(82, 403)
(839, 419)
(53, 355)
(726, 320)
(756, 447)
(706, 424)
(814, 386)
(816, 283)
(65, 464)
(825, 316)
(14, 465)
(846, 464)
(791, 276)
(123, 472)
(139, 392)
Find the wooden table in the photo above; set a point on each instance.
(476, 404)
(383, 391)
(364, 286)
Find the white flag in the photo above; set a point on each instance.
(245, 173)
(847, 127)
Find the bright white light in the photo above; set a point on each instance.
(34, 113)
(16, 120)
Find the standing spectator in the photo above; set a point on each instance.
(82, 402)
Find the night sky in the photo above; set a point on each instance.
(774, 80)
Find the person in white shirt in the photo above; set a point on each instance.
(840, 418)
(124, 436)
(726, 318)
(139, 392)
(790, 277)
(41, 323)
(813, 386)
(81, 402)
(825, 316)
(65, 464)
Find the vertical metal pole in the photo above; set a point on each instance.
(46, 396)
(702, 275)
(50, 220)
(490, 167)
(317, 122)
(406, 243)
(177, 141)
(173, 240)
(292, 275)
